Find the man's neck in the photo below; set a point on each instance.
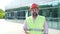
(34, 17)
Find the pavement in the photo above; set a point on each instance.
(8, 27)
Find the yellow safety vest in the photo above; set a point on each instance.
(37, 26)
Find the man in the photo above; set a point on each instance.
(35, 24)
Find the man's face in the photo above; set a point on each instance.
(34, 11)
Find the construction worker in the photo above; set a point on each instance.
(35, 24)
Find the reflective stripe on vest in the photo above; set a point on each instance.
(35, 29)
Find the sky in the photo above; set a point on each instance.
(17, 3)
(3, 3)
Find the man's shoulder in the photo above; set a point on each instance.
(41, 16)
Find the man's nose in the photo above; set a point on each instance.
(34, 10)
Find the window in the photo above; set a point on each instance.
(21, 15)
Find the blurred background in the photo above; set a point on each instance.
(18, 10)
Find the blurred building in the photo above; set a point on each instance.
(51, 11)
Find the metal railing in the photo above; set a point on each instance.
(53, 23)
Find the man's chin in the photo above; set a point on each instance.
(34, 14)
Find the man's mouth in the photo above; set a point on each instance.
(34, 14)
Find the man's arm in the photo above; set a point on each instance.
(25, 28)
(45, 28)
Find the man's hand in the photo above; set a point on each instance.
(27, 32)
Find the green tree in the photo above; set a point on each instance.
(2, 14)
